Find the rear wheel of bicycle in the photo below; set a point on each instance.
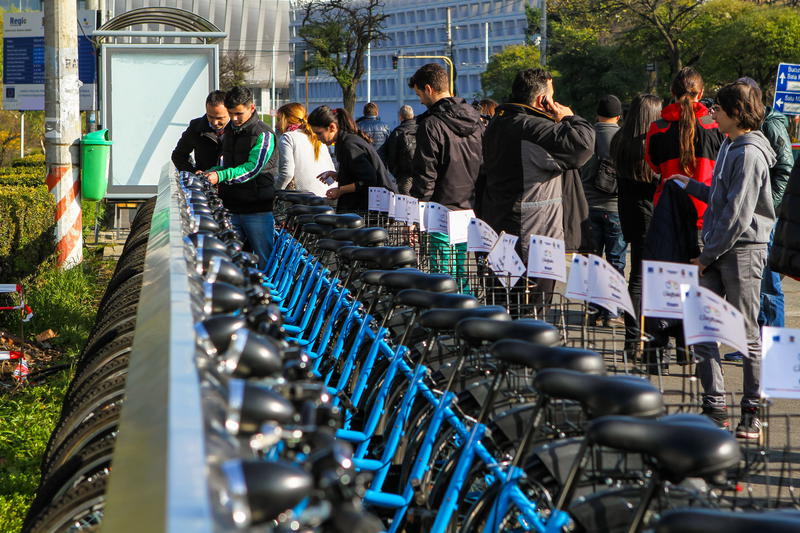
(105, 354)
(80, 509)
(85, 382)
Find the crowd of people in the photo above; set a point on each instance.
(696, 181)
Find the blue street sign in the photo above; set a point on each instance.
(787, 89)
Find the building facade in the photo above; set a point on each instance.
(419, 27)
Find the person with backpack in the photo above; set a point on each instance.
(398, 151)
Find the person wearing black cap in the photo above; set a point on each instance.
(599, 177)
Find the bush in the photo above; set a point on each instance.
(26, 230)
(29, 179)
(31, 160)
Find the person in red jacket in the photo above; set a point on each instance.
(686, 139)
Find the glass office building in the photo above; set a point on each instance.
(419, 27)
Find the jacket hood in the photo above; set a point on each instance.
(512, 109)
(457, 114)
(672, 112)
(775, 117)
(757, 139)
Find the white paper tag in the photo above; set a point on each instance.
(374, 203)
(578, 280)
(504, 260)
(607, 287)
(400, 210)
(384, 200)
(392, 205)
(480, 236)
(458, 224)
(437, 218)
(780, 364)
(709, 318)
(547, 258)
(422, 216)
(661, 287)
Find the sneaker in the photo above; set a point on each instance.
(750, 425)
(718, 414)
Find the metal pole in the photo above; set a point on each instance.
(486, 43)
(543, 41)
(369, 72)
(62, 128)
(272, 96)
(449, 34)
(22, 133)
(401, 82)
(305, 61)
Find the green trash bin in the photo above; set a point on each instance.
(95, 155)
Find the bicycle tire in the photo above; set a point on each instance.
(116, 367)
(110, 333)
(115, 314)
(132, 283)
(105, 354)
(83, 503)
(91, 461)
(87, 433)
(124, 292)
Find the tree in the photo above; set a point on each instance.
(337, 33)
(503, 67)
(233, 69)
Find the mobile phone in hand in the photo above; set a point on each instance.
(328, 177)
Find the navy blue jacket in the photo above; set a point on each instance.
(377, 129)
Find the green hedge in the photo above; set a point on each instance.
(33, 160)
(22, 180)
(26, 230)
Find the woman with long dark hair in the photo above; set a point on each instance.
(637, 184)
(360, 166)
(686, 139)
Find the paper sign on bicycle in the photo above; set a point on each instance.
(437, 218)
(707, 317)
(547, 258)
(412, 210)
(661, 287)
(401, 208)
(780, 363)
(504, 260)
(578, 280)
(458, 224)
(480, 236)
(607, 287)
(374, 202)
(392, 204)
(422, 216)
(384, 200)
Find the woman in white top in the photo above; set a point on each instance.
(302, 155)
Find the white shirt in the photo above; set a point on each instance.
(297, 161)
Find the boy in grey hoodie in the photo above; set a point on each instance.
(736, 229)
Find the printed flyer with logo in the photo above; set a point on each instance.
(661, 287)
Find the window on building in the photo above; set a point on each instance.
(411, 38)
(412, 17)
(486, 7)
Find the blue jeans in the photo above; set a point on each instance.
(607, 236)
(258, 230)
(771, 312)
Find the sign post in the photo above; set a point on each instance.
(787, 89)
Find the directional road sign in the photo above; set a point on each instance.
(787, 89)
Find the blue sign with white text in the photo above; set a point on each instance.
(787, 89)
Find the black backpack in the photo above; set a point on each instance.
(405, 146)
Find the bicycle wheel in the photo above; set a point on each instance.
(80, 509)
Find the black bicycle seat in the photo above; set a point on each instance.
(304, 219)
(297, 210)
(299, 197)
(373, 277)
(347, 220)
(369, 236)
(714, 521)
(386, 257)
(332, 245)
(422, 299)
(601, 395)
(408, 279)
(476, 331)
(538, 357)
(346, 252)
(446, 319)
(313, 228)
(684, 447)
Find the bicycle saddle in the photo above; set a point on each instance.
(370, 236)
(422, 299)
(347, 220)
(305, 219)
(332, 245)
(386, 257)
(251, 405)
(367, 236)
(316, 229)
(446, 319)
(478, 330)
(346, 252)
(373, 277)
(409, 279)
(537, 357)
(714, 521)
(601, 395)
(299, 197)
(297, 210)
(265, 489)
(683, 446)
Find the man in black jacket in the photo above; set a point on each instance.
(398, 152)
(203, 137)
(246, 178)
(448, 157)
